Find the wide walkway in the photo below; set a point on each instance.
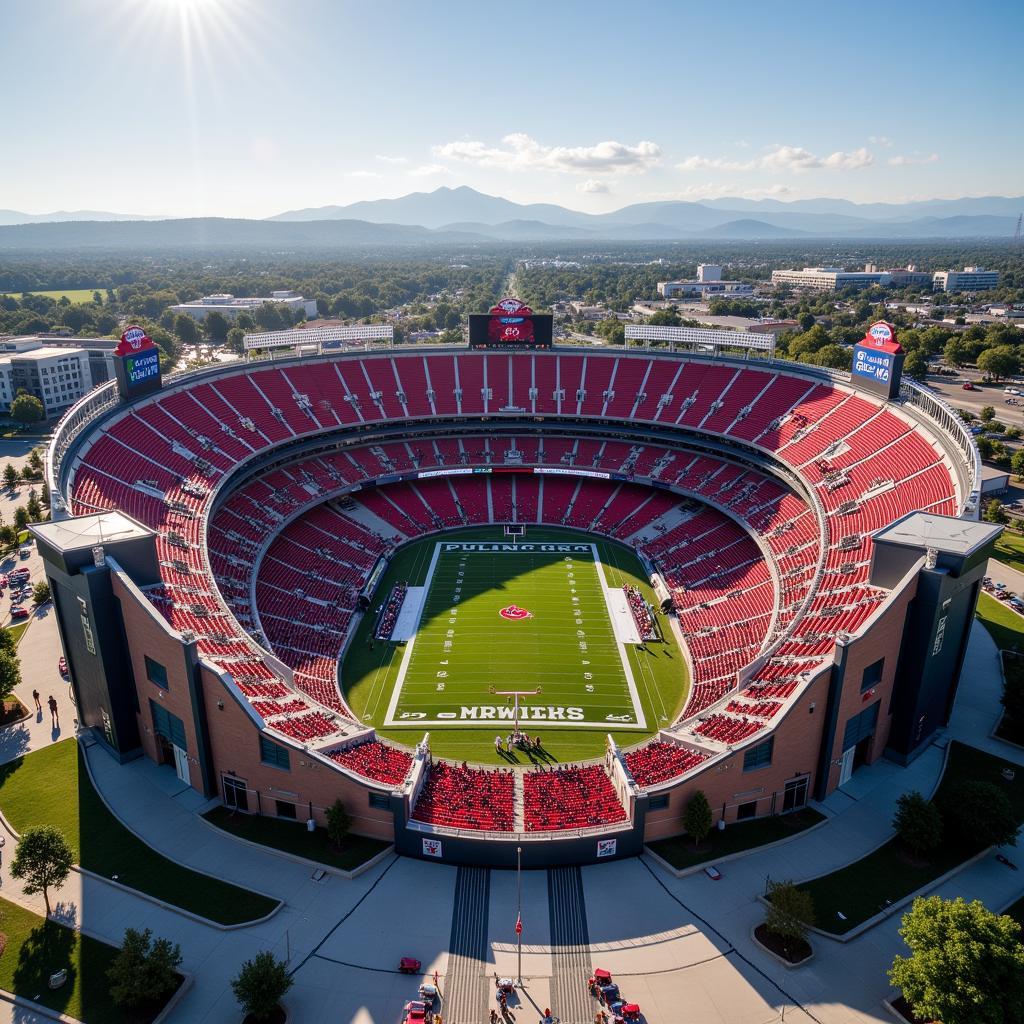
(681, 946)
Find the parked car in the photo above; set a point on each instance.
(20, 612)
(24, 553)
(1011, 391)
(968, 386)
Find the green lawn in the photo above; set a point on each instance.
(680, 852)
(52, 787)
(74, 295)
(292, 837)
(1005, 625)
(1010, 549)
(17, 629)
(869, 885)
(527, 656)
(36, 948)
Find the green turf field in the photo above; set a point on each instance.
(514, 617)
(585, 693)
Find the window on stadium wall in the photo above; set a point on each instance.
(169, 726)
(156, 673)
(759, 756)
(273, 754)
(872, 675)
(861, 726)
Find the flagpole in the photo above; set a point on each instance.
(519, 914)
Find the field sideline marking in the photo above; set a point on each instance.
(403, 668)
(634, 696)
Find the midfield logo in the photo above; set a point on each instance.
(513, 611)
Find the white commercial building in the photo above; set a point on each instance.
(830, 279)
(709, 272)
(58, 377)
(229, 306)
(970, 279)
(704, 288)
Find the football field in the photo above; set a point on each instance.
(502, 617)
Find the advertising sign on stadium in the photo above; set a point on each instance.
(136, 363)
(432, 847)
(607, 847)
(878, 360)
(510, 324)
(558, 471)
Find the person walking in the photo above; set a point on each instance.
(35, 697)
(52, 705)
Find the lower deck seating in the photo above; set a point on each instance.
(373, 760)
(463, 797)
(562, 798)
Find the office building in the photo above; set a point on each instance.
(230, 306)
(970, 279)
(704, 288)
(57, 376)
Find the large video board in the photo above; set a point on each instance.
(510, 324)
(878, 361)
(137, 363)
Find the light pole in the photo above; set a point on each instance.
(519, 915)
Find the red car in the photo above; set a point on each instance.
(18, 612)
(971, 387)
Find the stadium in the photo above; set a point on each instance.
(515, 600)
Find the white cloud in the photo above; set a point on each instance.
(794, 159)
(519, 151)
(392, 159)
(425, 170)
(594, 186)
(880, 140)
(716, 190)
(914, 158)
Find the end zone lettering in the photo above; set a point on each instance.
(491, 712)
(517, 547)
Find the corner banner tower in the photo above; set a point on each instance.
(878, 361)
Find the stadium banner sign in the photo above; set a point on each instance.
(558, 471)
(500, 547)
(137, 364)
(426, 474)
(319, 336)
(878, 361)
(510, 324)
(433, 848)
(607, 847)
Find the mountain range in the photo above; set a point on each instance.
(464, 215)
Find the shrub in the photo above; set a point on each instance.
(790, 913)
(261, 985)
(697, 817)
(338, 823)
(143, 971)
(918, 824)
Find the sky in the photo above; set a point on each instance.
(247, 108)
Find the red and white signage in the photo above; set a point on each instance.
(133, 340)
(881, 336)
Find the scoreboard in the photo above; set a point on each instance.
(878, 361)
(510, 325)
(137, 364)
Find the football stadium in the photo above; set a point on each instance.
(515, 603)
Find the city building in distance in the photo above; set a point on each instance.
(831, 279)
(229, 306)
(709, 282)
(57, 376)
(970, 279)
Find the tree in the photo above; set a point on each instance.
(916, 366)
(917, 823)
(26, 409)
(966, 964)
(35, 460)
(10, 670)
(42, 861)
(994, 511)
(261, 984)
(8, 537)
(185, 329)
(997, 363)
(697, 817)
(988, 414)
(790, 913)
(980, 814)
(143, 971)
(338, 823)
(41, 593)
(21, 517)
(10, 476)
(216, 327)
(236, 340)
(33, 506)
(1017, 463)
